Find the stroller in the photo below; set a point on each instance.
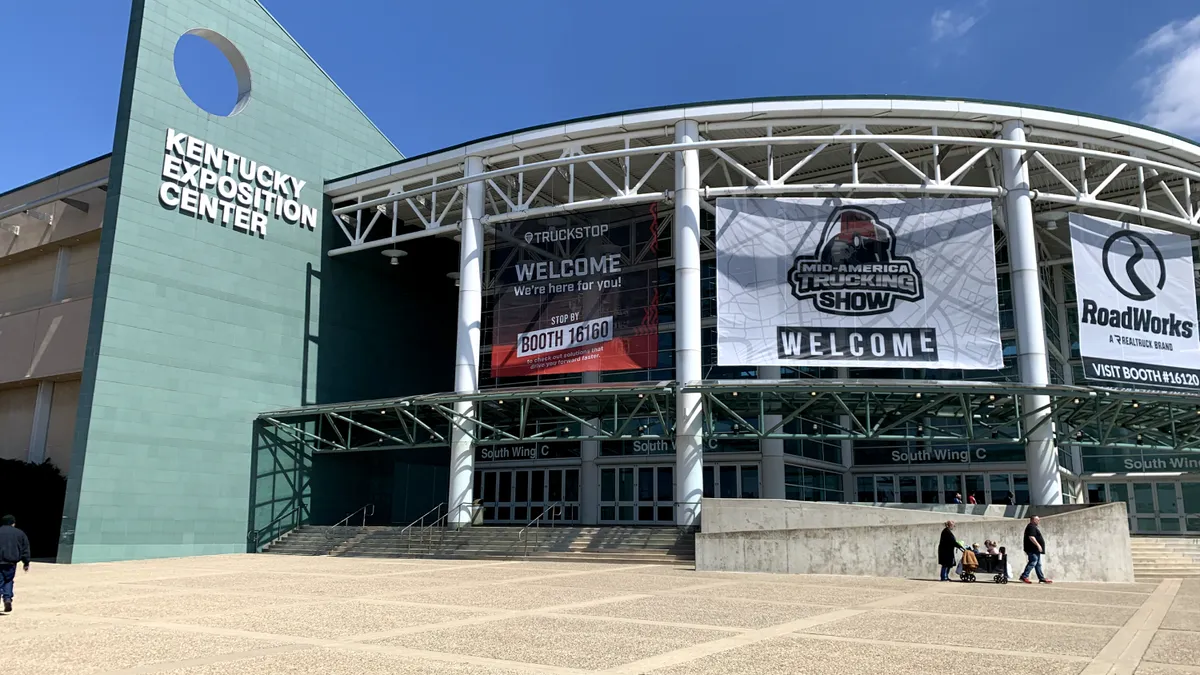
(984, 563)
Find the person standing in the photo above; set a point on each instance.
(946, 547)
(14, 548)
(1035, 548)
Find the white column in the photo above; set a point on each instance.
(849, 489)
(466, 359)
(689, 442)
(1041, 457)
(773, 471)
(41, 422)
(589, 476)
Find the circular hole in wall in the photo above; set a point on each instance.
(212, 72)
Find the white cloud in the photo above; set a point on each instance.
(1172, 35)
(1173, 88)
(946, 23)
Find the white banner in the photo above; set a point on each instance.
(868, 283)
(1136, 290)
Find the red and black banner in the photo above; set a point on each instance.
(576, 293)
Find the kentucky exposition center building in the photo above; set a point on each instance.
(235, 324)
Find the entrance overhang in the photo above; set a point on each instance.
(936, 412)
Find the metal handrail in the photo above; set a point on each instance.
(536, 523)
(252, 535)
(438, 526)
(420, 523)
(367, 510)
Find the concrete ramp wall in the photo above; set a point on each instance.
(1089, 544)
(741, 515)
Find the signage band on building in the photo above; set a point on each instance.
(1136, 291)
(869, 282)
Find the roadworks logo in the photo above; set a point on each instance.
(855, 270)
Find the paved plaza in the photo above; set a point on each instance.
(243, 614)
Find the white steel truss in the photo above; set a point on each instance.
(1103, 172)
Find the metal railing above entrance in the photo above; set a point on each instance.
(832, 410)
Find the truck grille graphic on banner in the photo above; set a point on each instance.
(571, 298)
(1137, 304)
(870, 283)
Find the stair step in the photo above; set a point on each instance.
(639, 545)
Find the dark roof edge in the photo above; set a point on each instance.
(833, 97)
(56, 174)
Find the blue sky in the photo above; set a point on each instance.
(432, 74)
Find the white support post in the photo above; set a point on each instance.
(41, 421)
(1041, 456)
(466, 359)
(773, 471)
(589, 475)
(689, 430)
(849, 489)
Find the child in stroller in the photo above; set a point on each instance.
(994, 562)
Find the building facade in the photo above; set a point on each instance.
(289, 322)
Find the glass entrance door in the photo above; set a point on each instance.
(1155, 508)
(641, 494)
(517, 496)
(732, 481)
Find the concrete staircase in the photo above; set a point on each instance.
(627, 545)
(1157, 558)
(316, 540)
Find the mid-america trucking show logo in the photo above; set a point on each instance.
(576, 293)
(855, 271)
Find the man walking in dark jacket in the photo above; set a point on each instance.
(1035, 548)
(14, 548)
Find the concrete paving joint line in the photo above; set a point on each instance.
(1123, 653)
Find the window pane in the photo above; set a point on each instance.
(1096, 493)
(666, 487)
(953, 486)
(975, 489)
(537, 485)
(908, 489)
(522, 487)
(1143, 498)
(489, 486)
(1167, 502)
(572, 485)
(645, 485)
(929, 489)
(626, 489)
(866, 489)
(1118, 492)
(1191, 498)
(999, 485)
(885, 488)
(608, 486)
(750, 481)
(729, 486)
(709, 490)
(506, 484)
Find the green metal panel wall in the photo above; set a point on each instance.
(196, 327)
